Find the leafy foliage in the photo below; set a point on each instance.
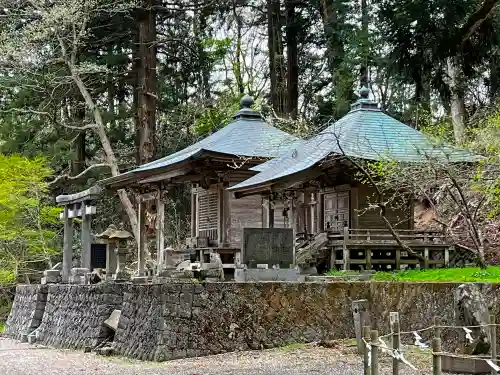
(28, 225)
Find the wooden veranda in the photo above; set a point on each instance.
(376, 249)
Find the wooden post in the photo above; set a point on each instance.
(398, 258)
(437, 326)
(426, 257)
(85, 237)
(366, 359)
(270, 214)
(374, 343)
(361, 317)
(436, 347)
(346, 250)
(193, 211)
(493, 338)
(68, 245)
(141, 237)
(396, 339)
(220, 215)
(436, 357)
(160, 234)
(368, 257)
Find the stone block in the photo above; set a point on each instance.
(32, 338)
(140, 279)
(113, 320)
(79, 271)
(255, 274)
(77, 279)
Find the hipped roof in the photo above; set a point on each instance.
(247, 136)
(365, 132)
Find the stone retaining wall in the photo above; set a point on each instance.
(27, 310)
(175, 320)
(74, 314)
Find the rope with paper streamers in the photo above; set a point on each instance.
(398, 354)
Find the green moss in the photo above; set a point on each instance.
(473, 274)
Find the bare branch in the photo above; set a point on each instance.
(80, 175)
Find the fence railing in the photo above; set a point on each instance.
(373, 345)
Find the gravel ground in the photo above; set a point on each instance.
(24, 359)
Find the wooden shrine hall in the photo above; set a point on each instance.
(210, 166)
(329, 209)
(251, 175)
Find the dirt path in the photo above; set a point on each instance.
(24, 359)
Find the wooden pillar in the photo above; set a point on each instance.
(141, 237)
(68, 245)
(220, 215)
(353, 208)
(226, 215)
(194, 208)
(270, 214)
(160, 233)
(85, 236)
(312, 214)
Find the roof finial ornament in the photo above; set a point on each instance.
(246, 101)
(364, 92)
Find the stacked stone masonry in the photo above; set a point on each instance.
(74, 314)
(175, 320)
(27, 310)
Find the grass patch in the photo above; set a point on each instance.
(293, 346)
(472, 274)
(341, 273)
(2, 326)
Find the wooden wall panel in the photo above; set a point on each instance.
(370, 219)
(245, 213)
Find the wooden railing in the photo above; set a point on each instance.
(384, 236)
(367, 248)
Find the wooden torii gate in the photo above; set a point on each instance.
(77, 205)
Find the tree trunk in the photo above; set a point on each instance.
(276, 60)
(365, 45)
(146, 77)
(457, 99)
(342, 78)
(78, 165)
(106, 145)
(237, 65)
(292, 30)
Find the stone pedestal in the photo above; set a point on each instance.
(140, 280)
(120, 274)
(78, 275)
(51, 277)
(111, 259)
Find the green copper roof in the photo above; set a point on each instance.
(365, 132)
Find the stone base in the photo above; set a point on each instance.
(51, 277)
(78, 276)
(255, 274)
(140, 279)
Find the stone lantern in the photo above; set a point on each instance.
(120, 237)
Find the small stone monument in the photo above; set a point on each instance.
(268, 255)
(471, 310)
(213, 271)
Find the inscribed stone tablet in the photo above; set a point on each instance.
(267, 246)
